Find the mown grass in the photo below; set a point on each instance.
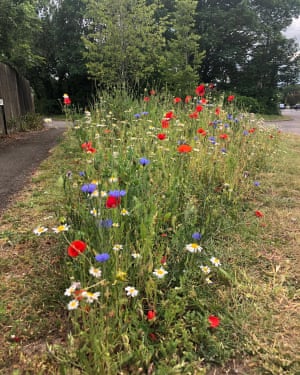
(257, 295)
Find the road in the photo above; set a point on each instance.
(21, 154)
(289, 126)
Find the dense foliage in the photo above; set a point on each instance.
(84, 45)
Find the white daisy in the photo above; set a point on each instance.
(193, 248)
(90, 297)
(113, 180)
(72, 305)
(61, 228)
(118, 247)
(115, 225)
(215, 261)
(103, 194)
(205, 269)
(69, 291)
(95, 193)
(136, 255)
(94, 212)
(160, 272)
(131, 291)
(208, 280)
(39, 230)
(96, 272)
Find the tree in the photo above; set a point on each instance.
(19, 26)
(183, 56)
(124, 43)
(245, 50)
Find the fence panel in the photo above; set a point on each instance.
(17, 97)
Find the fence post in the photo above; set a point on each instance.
(3, 115)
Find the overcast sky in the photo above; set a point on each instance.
(293, 31)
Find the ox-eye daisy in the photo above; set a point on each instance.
(96, 272)
(39, 230)
(131, 291)
(72, 305)
(61, 228)
(215, 261)
(193, 248)
(160, 272)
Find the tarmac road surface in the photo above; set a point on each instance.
(289, 126)
(21, 154)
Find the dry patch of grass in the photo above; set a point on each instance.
(31, 280)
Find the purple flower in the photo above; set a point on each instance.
(82, 173)
(102, 257)
(229, 116)
(245, 132)
(145, 113)
(88, 188)
(256, 183)
(117, 193)
(196, 236)
(144, 161)
(137, 115)
(107, 223)
(223, 150)
(212, 140)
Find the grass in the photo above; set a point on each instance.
(258, 293)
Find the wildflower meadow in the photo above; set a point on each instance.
(155, 190)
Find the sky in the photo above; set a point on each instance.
(293, 31)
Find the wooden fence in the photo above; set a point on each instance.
(17, 97)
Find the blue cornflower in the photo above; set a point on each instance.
(212, 140)
(245, 132)
(196, 236)
(229, 116)
(256, 183)
(145, 113)
(107, 223)
(102, 257)
(82, 173)
(88, 188)
(137, 115)
(117, 193)
(144, 161)
(226, 126)
(223, 150)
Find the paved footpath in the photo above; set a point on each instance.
(21, 154)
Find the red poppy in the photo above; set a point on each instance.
(230, 98)
(258, 213)
(78, 294)
(203, 101)
(76, 248)
(169, 115)
(177, 100)
(200, 90)
(184, 149)
(86, 145)
(201, 131)
(163, 259)
(217, 111)
(252, 130)
(151, 314)
(67, 100)
(152, 92)
(224, 136)
(91, 150)
(165, 123)
(161, 136)
(152, 336)
(112, 202)
(199, 108)
(194, 115)
(211, 86)
(146, 99)
(187, 99)
(214, 321)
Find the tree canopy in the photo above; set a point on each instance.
(79, 45)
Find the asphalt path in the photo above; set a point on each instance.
(289, 126)
(21, 154)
